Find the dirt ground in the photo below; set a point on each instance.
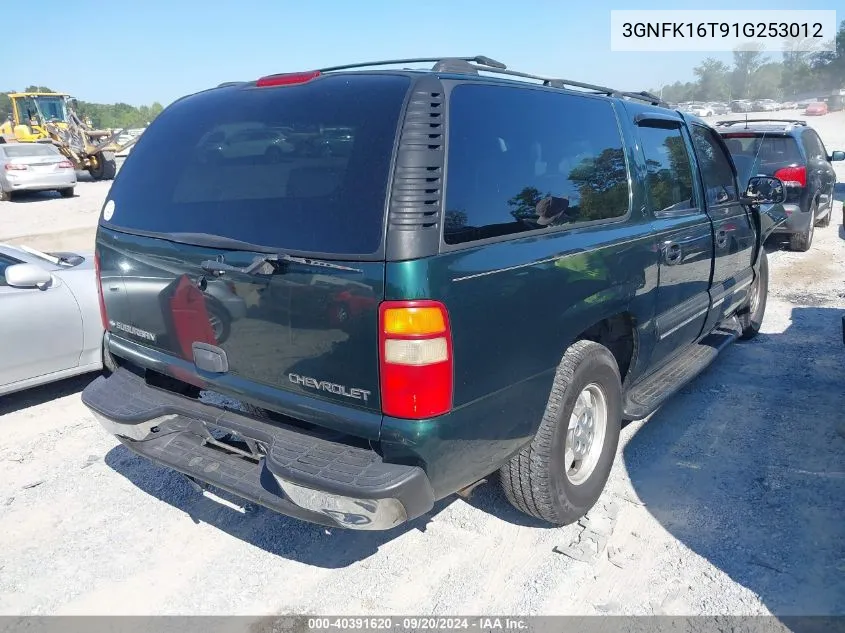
(728, 500)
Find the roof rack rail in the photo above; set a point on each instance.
(736, 121)
(479, 59)
(486, 64)
(555, 82)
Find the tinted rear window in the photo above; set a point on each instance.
(30, 149)
(761, 153)
(301, 167)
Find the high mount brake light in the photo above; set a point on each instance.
(415, 353)
(287, 79)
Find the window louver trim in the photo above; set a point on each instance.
(416, 193)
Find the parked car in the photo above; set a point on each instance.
(719, 108)
(246, 145)
(34, 167)
(530, 282)
(794, 153)
(52, 327)
(700, 110)
(741, 105)
(790, 105)
(817, 108)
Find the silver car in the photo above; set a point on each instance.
(50, 313)
(34, 167)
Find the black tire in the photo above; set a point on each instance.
(801, 242)
(826, 221)
(67, 192)
(109, 363)
(221, 323)
(274, 155)
(751, 317)
(535, 480)
(106, 167)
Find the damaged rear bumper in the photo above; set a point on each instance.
(311, 476)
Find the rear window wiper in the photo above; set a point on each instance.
(270, 263)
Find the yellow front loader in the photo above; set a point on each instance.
(47, 117)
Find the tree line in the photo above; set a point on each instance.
(754, 75)
(101, 115)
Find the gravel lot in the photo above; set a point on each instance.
(729, 500)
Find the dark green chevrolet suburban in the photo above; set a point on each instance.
(346, 294)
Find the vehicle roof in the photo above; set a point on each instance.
(38, 94)
(762, 126)
(470, 69)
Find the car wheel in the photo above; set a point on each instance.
(826, 221)
(220, 325)
(561, 474)
(274, 154)
(802, 241)
(109, 363)
(751, 317)
(67, 192)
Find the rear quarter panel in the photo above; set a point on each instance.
(83, 284)
(514, 308)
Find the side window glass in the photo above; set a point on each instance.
(524, 160)
(715, 166)
(669, 172)
(813, 145)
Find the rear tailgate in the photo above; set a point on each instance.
(765, 154)
(270, 251)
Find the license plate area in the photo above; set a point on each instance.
(231, 443)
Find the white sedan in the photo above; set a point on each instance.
(50, 313)
(34, 167)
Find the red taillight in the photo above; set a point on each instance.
(415, 353)
(16, 167)
(792, 176)
(66, 164)
(287, 79)
(103, 316)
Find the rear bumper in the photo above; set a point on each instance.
(308, 476)
(41, 182)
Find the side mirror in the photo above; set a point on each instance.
(837, 156)
(764, 190)
(27, 276)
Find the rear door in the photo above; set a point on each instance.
(684, 233)
(277, 262)
(733, 229)
(821, 177)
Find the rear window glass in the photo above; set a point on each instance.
(29, 149)
(752, 153)
(300, 167)
(768, 148)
